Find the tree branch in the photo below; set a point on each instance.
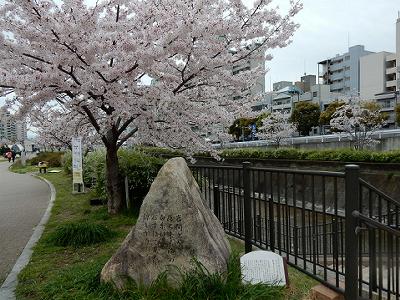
(36, 58)
(176, 90)
(125, 125)
(70, 73)
(126, 137)
(93, 121)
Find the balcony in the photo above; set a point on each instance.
(336, 76)
(391, 70)
(281, 106)
(390, 62)
(391, 83)
(336, 67)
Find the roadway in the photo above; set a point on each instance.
(23, 201)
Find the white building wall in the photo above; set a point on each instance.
(398, 51)
(373, 74)
(398, 36)
(21, 132)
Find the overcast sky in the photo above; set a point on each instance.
(327, 27)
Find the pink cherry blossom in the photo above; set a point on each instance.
(94, 60)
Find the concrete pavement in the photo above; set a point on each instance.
(23, 201)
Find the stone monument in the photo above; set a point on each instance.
(174, 226)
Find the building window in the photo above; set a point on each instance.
(347, 68)
(347, 57)
(386, 103)
(315, 94)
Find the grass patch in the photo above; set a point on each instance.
(79, 234)
(17, 167)
(69, 272)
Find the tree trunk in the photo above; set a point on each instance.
(115, 191)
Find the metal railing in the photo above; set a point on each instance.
(303, 215)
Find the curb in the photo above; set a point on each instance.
(7, 290)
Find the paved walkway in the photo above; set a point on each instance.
(23, 201)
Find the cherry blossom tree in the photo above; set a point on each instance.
(54, 127)
(98, 61)
(358, 120)
(277, 128)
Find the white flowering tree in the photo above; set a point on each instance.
(55, 128)
(277, 128)
(98, 60)
(358, 120)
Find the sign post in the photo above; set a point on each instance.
(77, 177)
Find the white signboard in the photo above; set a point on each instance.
(263, 267)
(77, 160)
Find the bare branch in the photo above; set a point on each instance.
(126, 137)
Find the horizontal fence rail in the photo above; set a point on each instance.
(301, 215)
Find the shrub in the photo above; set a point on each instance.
(140, 168)
(94, 171)
(53, 158)
(158, 151)
(67, 162)
(79, 234)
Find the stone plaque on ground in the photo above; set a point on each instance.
(263, 267)
(174, 226)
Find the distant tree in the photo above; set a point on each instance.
(326, 115)
(398, 114)
(359, 120)
(276, 128)
(241, 127)
(376, 116)
(305, 116)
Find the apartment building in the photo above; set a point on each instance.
(11, 130)
(304, 90)
(276, 86)
(258, 89)
(20, 131)
(380, 78)
(342, 72)
(377, 74)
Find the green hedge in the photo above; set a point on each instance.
(139, 167)
(54, 159)
(344, 155)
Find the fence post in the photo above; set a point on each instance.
(216, 201)
(247, 208)
(352, 202)
(372, 258)
(271, 223)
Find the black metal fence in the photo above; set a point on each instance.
(303, 215)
